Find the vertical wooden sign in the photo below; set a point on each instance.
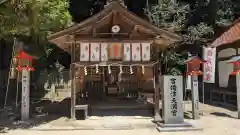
(25, 94)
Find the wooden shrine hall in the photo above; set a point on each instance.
(114, 58)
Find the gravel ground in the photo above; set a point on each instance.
(214, 121)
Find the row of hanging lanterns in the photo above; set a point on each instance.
(110, 71)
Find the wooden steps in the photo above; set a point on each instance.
(120, 104)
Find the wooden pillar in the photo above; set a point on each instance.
(103, 82)
(73, 92)
(238, 95)
(195, 98)
(238, 89)
(25, 94)
(73, 80)
(216, 70)
(157, 116)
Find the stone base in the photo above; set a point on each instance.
(157, 119)
(176, 127)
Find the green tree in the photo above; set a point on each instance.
(33, 18)
(174, 16)
(31, 21)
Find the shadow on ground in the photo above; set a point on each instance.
(10, 119)
(54, 111)
(220, 114)
(224, 106)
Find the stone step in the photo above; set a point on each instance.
(178, 129)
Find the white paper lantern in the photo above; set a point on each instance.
(109, 69)
(143, 70)
(131, 70)
(85, 70)
(97, 69)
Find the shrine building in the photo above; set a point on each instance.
(114, 56)
(227, 46)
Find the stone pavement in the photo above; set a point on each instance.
(99, 123)
(215, 121)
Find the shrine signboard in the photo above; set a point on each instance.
(209, 55)
(173, 100)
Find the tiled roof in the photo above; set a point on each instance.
(231, 35)
(234, 59)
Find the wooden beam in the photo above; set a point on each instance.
(94, 32)
(87, 35)
(98, 39)
(125, 18)
(115, 18)
(73, 92)
(134, 29)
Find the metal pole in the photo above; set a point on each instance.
(195, 98)
(238, 94)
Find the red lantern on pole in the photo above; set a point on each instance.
(24, 61)
(236, 71)
(193, 65)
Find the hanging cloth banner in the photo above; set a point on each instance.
(146, 54)
(84, 51)
(209, 55)
(104, 52)
(136, 52)
(127, 52)
(95, 52)
(115, 51)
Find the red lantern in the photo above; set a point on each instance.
(193, 65)
(236, 68)
(24, 61)
(236, 64)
